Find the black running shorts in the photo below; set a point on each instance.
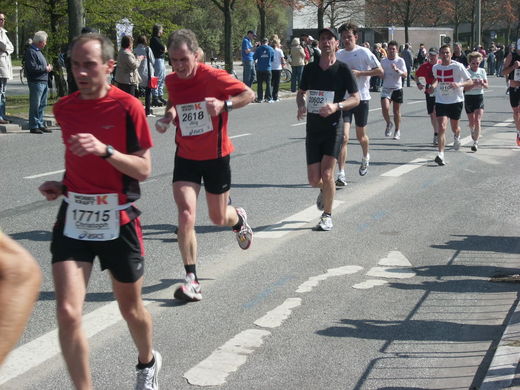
(215, 173)
(514, 96)
(452, 111)
(430, 104)
(360, 114)
(473, 103)
(123, 257)
(318, 145)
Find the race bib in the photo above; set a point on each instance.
(92, 217)
(445, 89)
(194, 119)
(516, 75)
(318, 99)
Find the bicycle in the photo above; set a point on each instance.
(285, 75)
(213, 63)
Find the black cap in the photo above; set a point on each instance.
(330, 30)
(433, 50)
(252, 32)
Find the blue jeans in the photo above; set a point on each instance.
(3, 83)
(249, 72)
(160, 70)
(38, 91)
(297, 72)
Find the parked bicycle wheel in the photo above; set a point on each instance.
(23, 79)
(285, 76)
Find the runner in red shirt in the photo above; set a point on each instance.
(424, 79)
(107, 152)
(200, 99)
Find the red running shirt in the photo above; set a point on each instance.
(118, 119)
(207, 82)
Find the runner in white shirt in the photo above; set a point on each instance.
(450, 79)
(395, 69)
(363, 64)
(474, 96)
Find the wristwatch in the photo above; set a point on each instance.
(228, 105)
(110, 151)
(340, 106)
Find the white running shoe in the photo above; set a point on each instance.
(319, 201)
(456, 142)
(341, 180)
(388, 130)
(325, 223)
(397, 135)
(190, 291)
(245, 234)
(147, 377)
(363, 169)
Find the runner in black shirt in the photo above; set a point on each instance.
(322, 95)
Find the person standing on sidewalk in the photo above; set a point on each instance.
(248, 62)
(200, 99)
(407, 56)
(37, 70)
(451, 77)
(264, 56)
(321, 98)
(158, 50)
(107, 153)
(6, 67)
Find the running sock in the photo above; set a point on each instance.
(140, 365)
(441, 155)
(326, 215)
(191, 269)
(239, 223)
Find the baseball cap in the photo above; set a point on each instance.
(330, 30)
(433, 50)
(252, 32)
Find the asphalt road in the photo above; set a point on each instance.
(396, 296)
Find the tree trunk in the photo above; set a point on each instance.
(321, 13)
(263, 20)
(76, 14)
(228, 36)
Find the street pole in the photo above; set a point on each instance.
(16, 41)
(76, 13)
(478, 29)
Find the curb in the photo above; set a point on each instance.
(501, 372)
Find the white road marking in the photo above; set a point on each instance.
(239, 135)
(275, 317)
(401, 170)
(390, 272)
(292, 223)
(44, 174)
(226, 359)
(298, 124)
(395, 258)
(37, 351)
(416, 102)
(502, 124)
(369, 284)
(313, 281)
(374, 109)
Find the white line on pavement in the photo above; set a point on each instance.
(226, 359)
(44, 174)
(239, 135)
(298, 124)
(401, 170)
(313, 281)
(292, 223)
(275, 317)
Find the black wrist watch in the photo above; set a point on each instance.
(110, 151)
(228, 105)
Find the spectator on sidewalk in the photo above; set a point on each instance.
(37, 70)
(264, 56)
(6, 68)
(145, 69)
(297, 63)
(127, 76)
(158, 50)
(248, 62)
(407, 56)
(277, 66)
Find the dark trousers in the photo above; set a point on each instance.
(275, 82)
(264, 76)
(128, 88)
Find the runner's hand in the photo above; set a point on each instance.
(328, 109)
(83, 144)
(162, 124)
(51, 189)
(214, 106)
